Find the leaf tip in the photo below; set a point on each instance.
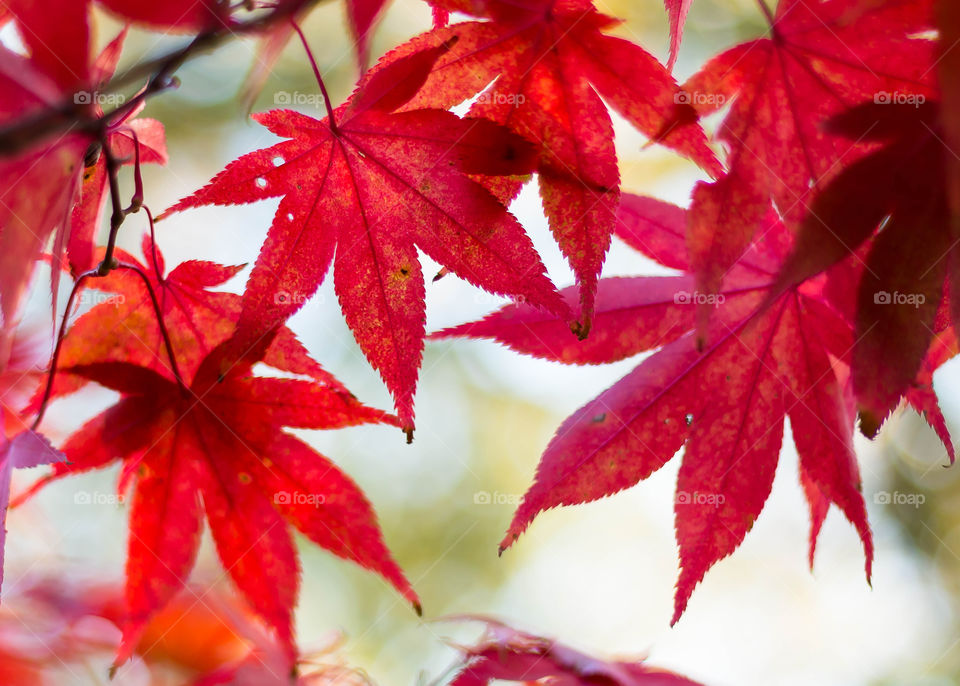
(685, 586)
(581, 328)
(869, 423)
(507, 541)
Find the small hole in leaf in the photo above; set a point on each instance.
(261, 182)
(688, 418)
(289, 216)
(278, 160)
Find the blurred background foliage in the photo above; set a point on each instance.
(599, 576)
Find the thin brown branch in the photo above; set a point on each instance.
(159, 72)
(164, 333)
(51, 374)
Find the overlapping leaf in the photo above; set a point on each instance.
(726, 404)
(948, 66)
(216, 450)
(506, 654)
(58, 32)
(362, 193)
(122, 325)
(677, 12)
(819, 59)
(541, 67)
(38, 185)
(901, 187)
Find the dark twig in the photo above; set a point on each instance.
(164, 333)
(159, 72)
(117, 215)
(48, 389)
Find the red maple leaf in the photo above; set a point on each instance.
(173, 16)
(727, 404)
(506, 654)
(899, 187)
(57, 32)
(921, 395)
(819, 59)
(541, 67)
(216, 448)
(122, 325)
(363, 192)
(948, 66)
(361, 16)
(38, 185)
(677, 12)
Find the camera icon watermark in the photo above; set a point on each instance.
(94, 298)
(699, 99)
(496, 498)
(295, 98)
(698, 498)
(898, 98)
(698, 298)
(492, 98)
(98, 98)
(898, 298)
(914, 500)
(98, 498)
(298, 498)
(289, 298)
